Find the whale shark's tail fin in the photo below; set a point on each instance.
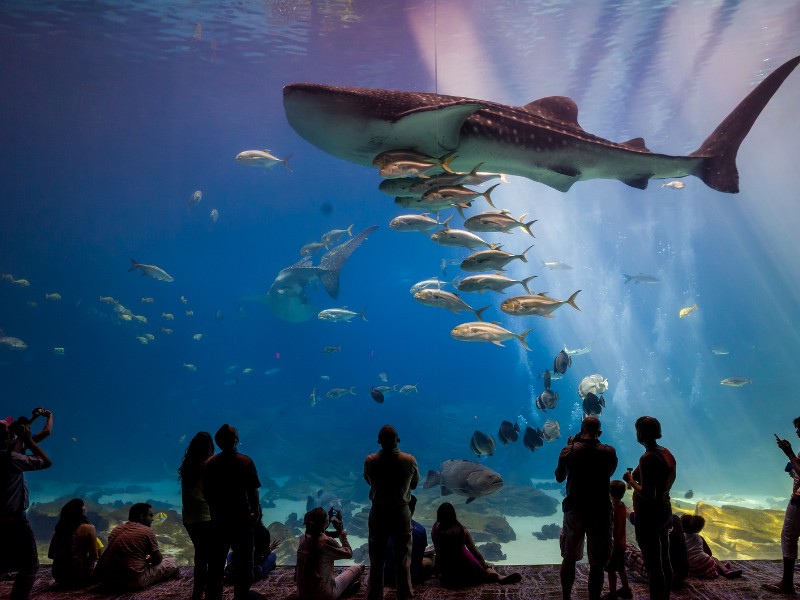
(718, 170)
(332, 262)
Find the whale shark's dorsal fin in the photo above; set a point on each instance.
(636, 144)
(444, 120)
(556, 108)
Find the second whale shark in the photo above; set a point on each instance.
(541, 140)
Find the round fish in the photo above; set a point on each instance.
(509, 432)
(533, 439)
(482, 444)
(593, 405)
(547, 399)
(562, 362)
(377, 395)
(551, 430)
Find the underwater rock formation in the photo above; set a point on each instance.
(492, 551)
(548, 532)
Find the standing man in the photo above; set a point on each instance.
(132, 560)
(791, 522)
(587, 465)
(391, 475)
(230, 486)
(18, 547)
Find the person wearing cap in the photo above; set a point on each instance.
(230, 486)
(18, 548)
(651, 482)
(391, 476)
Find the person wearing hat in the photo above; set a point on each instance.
(18, 548)
(391, 476)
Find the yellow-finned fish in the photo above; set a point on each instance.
(685, 312)
(159, 518)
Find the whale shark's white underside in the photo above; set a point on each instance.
(541, 140)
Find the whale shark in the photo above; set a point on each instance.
(541, 140)
(287, 298)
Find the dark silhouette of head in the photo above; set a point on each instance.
(412, 504)
(692, 523)
(227, 438)
(648, 429)
(71, 516)
(446, 515)
(315, 520)
(388, 438)
(590, 427)
(617, 489)
(200, 449)
(141, 513)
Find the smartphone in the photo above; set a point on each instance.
(776, 437)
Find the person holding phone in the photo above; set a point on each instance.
(791, 522)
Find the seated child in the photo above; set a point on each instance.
(701, 563)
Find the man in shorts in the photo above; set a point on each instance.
(587, 465)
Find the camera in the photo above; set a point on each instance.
(334, 514)
(38, 412)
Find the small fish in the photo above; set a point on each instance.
(508, 432)
(685, 312)
(159, 518)
(182, 439)
(434, 283)
(139, 318)
(535, 305)
(198, 336)
(271, 372)
(325, 377)
(458, 194)
(577, 351)
(147, 300)
(150, 336)
(675, 185)
(556, 265)
(491, 260)
(498, 222)
(407, 389)
(533, 438)
(377, 395)
(189, 313)
(460, 238)
(492, 282)
(167, 331)
(339, 392)
(641, 278)
(386, 389)
(312, 398)
(74, 439)
(126, 316)
(689, 494)
(551, 430)
(334, 235)
(219, 315)
(190, 367)
(548, 378)
(21, 282)
(332, 349)
(184, 300)
(448, 300)
(168, 316)
(422, 223)
(13, 343)
(107, 300)
(593, 405)
(142, 340)
(262, 158)
(383, 377)
(547, 400)
(720, 351)
(213, 216)
(736, 381)
(339, 315)
(482, 444)
(562, 362)
(481, 331)
(152, 271)
(311, 248)
(196, 197)
(58, 351)
(53, 296)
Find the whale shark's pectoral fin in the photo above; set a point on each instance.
(443, 121)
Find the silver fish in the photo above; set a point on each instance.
(460, 238)
(448, 300)
(481, 331)
(458, 194)
(491, 260)
(151, 271)
(641, 278)
(535, 305)
(334, 235)
(335, 393)
(556, 264)
(262, 158)
(736, 381)
(422, 223)
(498, 222)
(338, 315)
(494, 282)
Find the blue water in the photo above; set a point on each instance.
(112, 114)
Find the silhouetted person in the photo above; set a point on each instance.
(616, 564)
(791, 522)
(230, 486)
(316, 577)
(587, 465)
(18, 546)
(43, 433)
(264, 557)
(651, 482)
(458, 562)
(391, 475)
(73, 548)
(132, 559)
(196, 514)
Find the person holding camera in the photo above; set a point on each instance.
(18, 548)
(791, 522)
(587, 465)
(315, 575)
(45, 432)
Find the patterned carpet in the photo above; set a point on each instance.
(538, 581)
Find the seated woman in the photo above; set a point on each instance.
(74, 547)
(701, 563)
(458, 561)
(315, 575)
